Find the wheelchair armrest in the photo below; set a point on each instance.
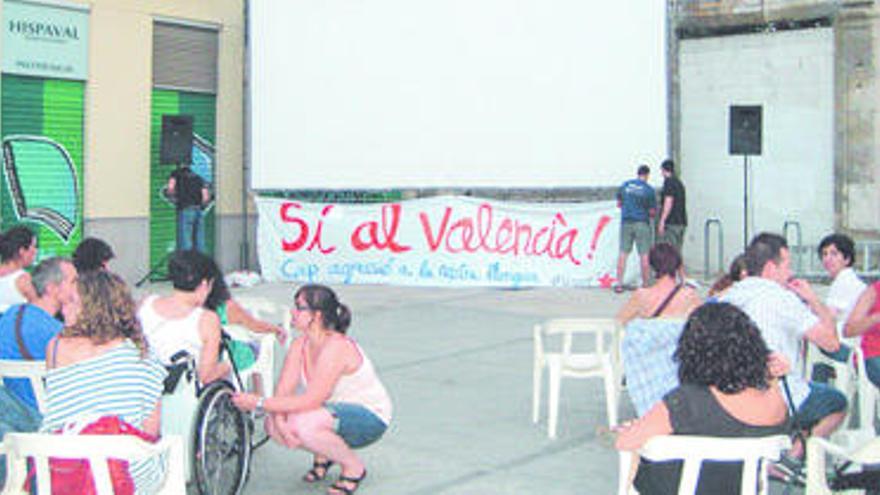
(179, 357)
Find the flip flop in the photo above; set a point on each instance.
(337, 488)
(318, 472)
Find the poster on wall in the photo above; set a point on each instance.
(442, 241)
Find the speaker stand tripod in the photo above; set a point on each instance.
(155, 269)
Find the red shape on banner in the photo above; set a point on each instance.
(303, 228)
(606, 280)
(603, 221)
(389, 232)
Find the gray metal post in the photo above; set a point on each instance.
(706, 230)
(800, 242)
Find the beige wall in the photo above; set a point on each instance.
(117, 110)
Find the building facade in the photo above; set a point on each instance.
(84, 88)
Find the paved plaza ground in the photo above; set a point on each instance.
(458, 364)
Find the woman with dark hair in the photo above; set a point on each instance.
(179, 321)
(92, 254)
(99, 367)
(735, 273)
(231, 312)
(668, 297)
(18, 249)
(727, 388)
(343, 405)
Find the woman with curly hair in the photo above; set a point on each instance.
(727, 389)
(99, 367)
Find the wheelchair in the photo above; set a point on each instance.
(219, 439)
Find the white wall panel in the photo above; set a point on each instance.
(460, 93)
(791, 74)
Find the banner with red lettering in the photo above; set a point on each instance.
(441, 241)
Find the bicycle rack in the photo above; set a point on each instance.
(799, 249)
(706, 230)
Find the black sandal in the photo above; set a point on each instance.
(338, 488)
(318, 472)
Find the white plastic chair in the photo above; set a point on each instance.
(817, 450)
(98, 449)
(264, 366)
(598, 363)
(693, 450)
(846, 374)
(867, 392)
(35, 371)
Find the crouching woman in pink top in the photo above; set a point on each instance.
(328, 400)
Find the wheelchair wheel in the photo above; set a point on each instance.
(221, 443)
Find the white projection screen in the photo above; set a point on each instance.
(375, 94)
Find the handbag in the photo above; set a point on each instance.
(74, 476)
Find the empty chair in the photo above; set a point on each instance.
(35, 371)
(564, 362)
(754, 453)
(97, 449)
(264, 366)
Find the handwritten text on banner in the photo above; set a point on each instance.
(441, 241)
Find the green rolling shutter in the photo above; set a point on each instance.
(42, 130)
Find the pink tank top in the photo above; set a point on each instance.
(361, 387)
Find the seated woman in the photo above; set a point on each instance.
(668, 297)
(178, 322)
(727, 390)
(864, 320)
(18, 249)
(735, 273)
(99, 366)
(343, 405)
(231, 312)
(92, 254)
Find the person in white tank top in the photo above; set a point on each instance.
(328, 400)
(179, 322)
(18, 249)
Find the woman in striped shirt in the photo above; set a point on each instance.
(99, 366)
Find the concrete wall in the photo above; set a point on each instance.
(855, 173)
(789, 73)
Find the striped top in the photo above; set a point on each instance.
(783, 319)
(115, 383)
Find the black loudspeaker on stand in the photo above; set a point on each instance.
(745, 139)
(175, 148)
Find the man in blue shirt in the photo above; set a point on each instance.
(638, 203)
(54, 281)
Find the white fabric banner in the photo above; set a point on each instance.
(440, 241)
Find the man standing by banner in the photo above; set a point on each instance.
(191, 194)
(673, 214)
(638, 203)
